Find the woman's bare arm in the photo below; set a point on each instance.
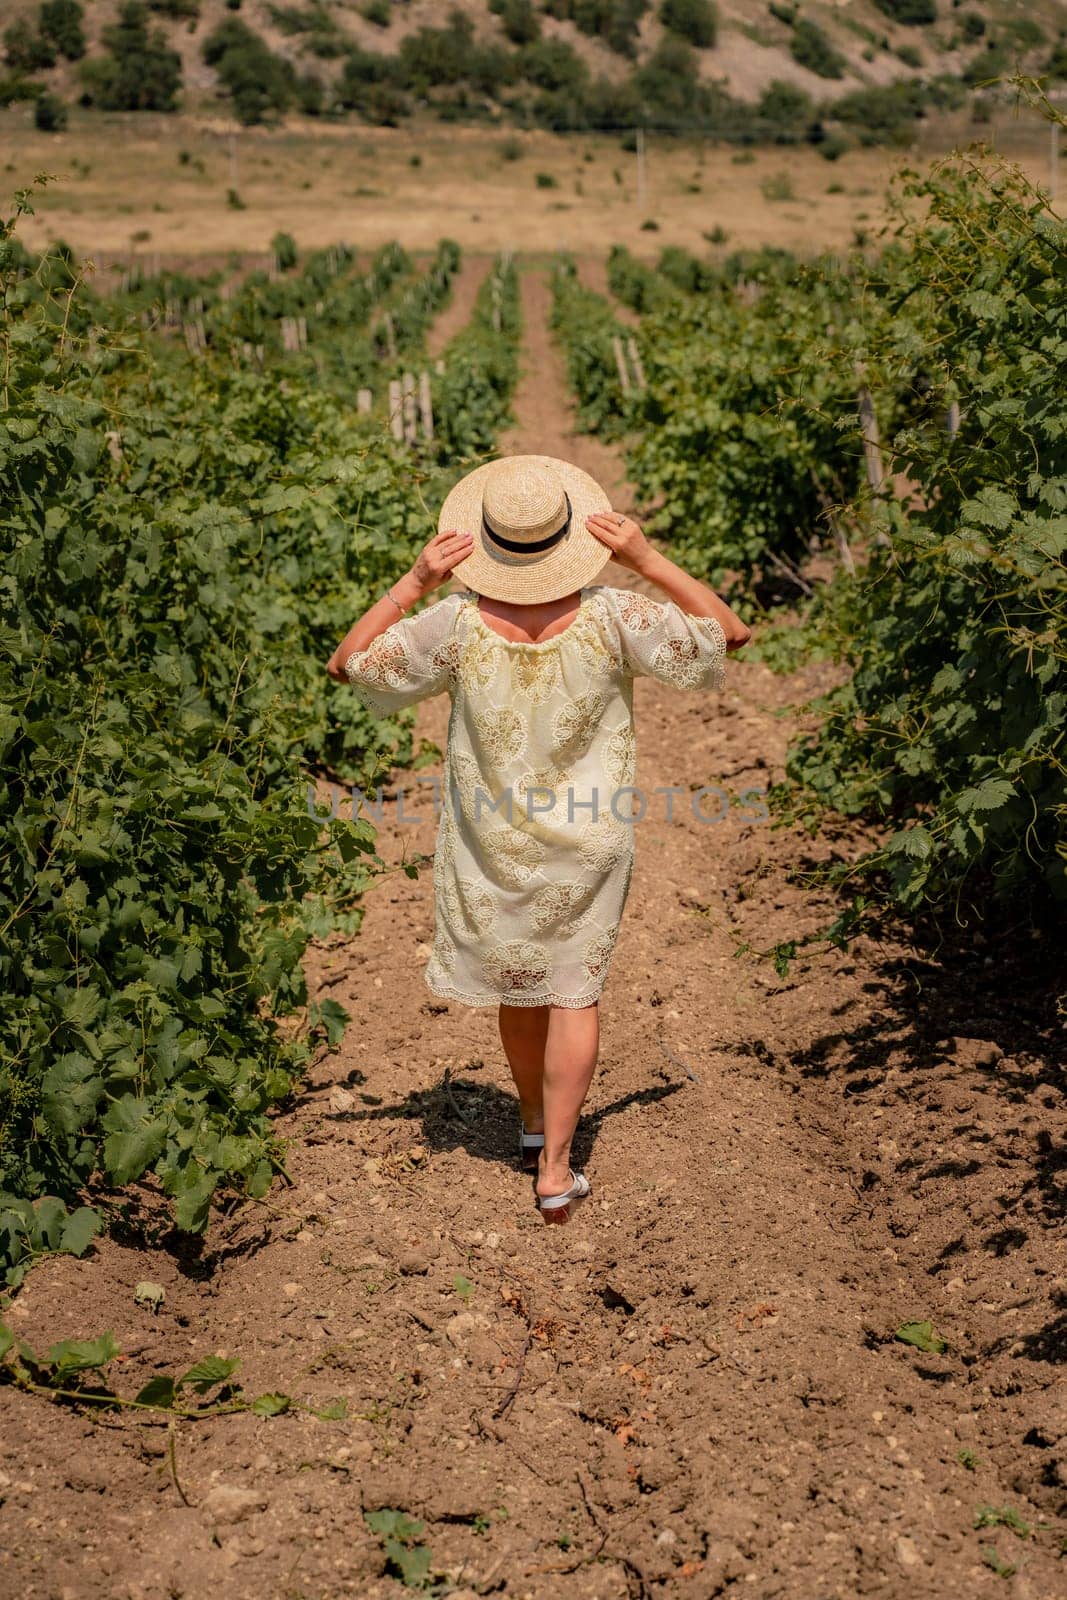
(631, 549)
(431, 568)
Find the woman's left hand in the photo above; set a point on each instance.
(623, 537)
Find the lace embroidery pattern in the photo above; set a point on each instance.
(681, 662)
(604, 842)
(512, 855)
(501, 734)
(575, 724)
(469, 904)
(597, 954)
(535, 675)
(465, 779)
(478, 663)
(384, 664)
(620, 754)
(557, 903)
(554, 778)
(445, 659)
(638, 613)
(519, 964)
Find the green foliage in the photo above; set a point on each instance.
(617, 22)
(785, 107)
(695, 20)
(49, 113)
(16, 88)
(61, 21)
(585, 326)
(950, 727)
(26, 49)
(914, 13)
(300, 20)
(553, 64)
(481, 366)
(519, 19)
(139, 71)
(283, 246)
(638, 285)
(747, 426)
(260, 84)
(922, 1336)
(76, 1371)
(1002, 1517)
(810, 47)
(881, 114)
(407, 1557)
(183, 545)
(29, 1229)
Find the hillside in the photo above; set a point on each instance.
(563, 64)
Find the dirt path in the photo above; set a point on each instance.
(457, 313)
(593, 271)
(692, 1391)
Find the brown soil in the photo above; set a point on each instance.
(694, 1390)
(457, 313)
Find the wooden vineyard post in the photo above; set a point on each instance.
(620, 362)
(439, 366)
(390, 335)
(844, 549)
(952, 420)
(872, 445)
(364, 401)
(411, 422)
(425, 405)
(636, 364)
(396, 415)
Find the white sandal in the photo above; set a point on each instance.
(530, 1147)
(557, 1207)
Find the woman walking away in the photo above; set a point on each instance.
(535, 840)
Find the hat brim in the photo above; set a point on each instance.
(500, 575)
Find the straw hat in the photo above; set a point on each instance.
(527, 515)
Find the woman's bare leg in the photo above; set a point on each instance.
(523, 1031)
(571, 1045)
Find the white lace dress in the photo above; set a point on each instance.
(535, 840)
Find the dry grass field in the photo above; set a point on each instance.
(191, 186)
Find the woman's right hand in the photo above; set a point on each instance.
(624, 538)
(434, 563)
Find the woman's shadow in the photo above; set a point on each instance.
(464, 1113)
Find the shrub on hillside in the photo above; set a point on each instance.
(915, 13)
(259, 83)
(26, 50)
(811, 48)
(16, 88)
(695, 20)
(61, 22)
(520, 21)
(882, 114)
(139, 71)
(180, 10)
(617, 22)
(434, 57)
(785, 108)
(49, 113)
(553, 64)
(368, 85)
